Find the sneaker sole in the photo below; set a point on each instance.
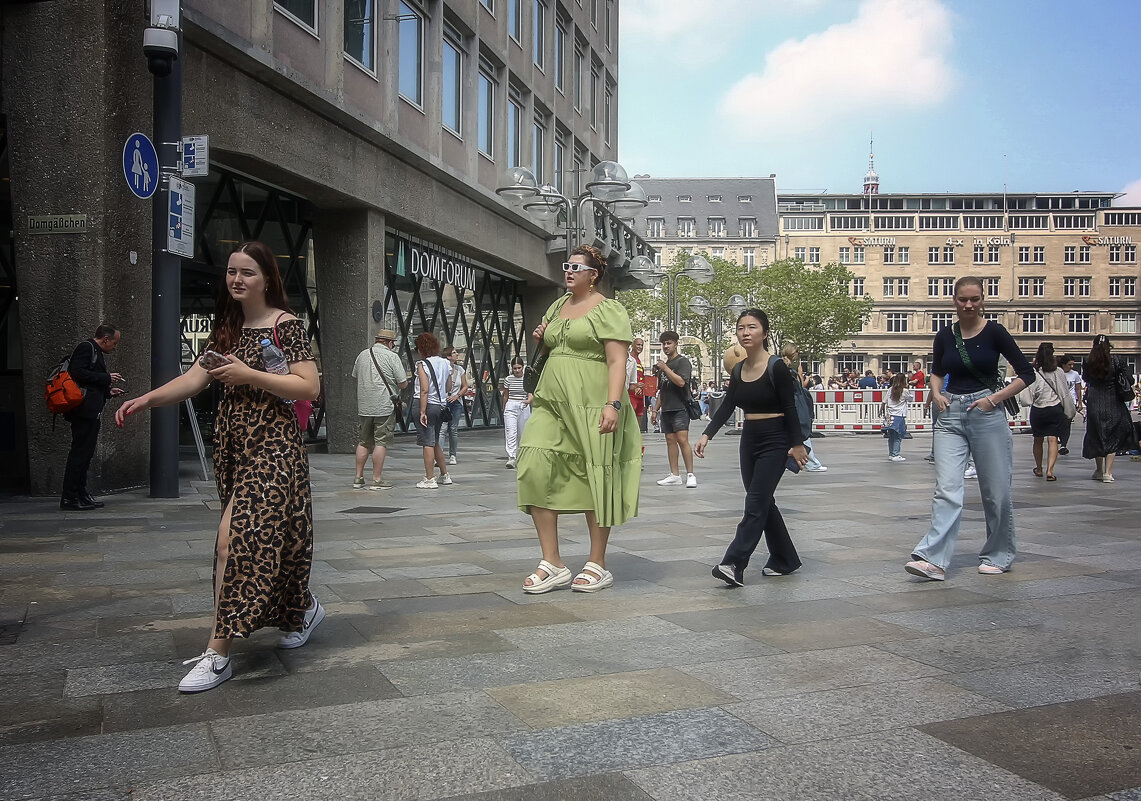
(317, 618)
(923, 574)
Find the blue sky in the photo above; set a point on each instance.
(960, 94)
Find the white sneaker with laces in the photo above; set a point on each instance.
(821, 469)
(210, 670)
(313, 617)
(970, 472)
(672, 480)
(896, 459)
(446, 478)
(690, 480)
(451, 460)
(427, 483)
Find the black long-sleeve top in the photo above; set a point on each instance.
(768, 394)
(89, 370)
(983, 349)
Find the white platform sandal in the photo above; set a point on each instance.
(596, 577)
(556, 577)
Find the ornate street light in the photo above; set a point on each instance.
(700, 306)
(608, 201)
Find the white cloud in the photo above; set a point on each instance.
(704, 25)
(892, 56)
(1132, 195)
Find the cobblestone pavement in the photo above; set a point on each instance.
(435, 677)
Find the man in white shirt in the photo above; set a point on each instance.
(380, 375)
(1074, 379)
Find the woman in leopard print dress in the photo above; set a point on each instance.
(265, 540)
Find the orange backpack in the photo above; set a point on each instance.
(62, 394)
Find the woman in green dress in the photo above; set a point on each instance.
(581, 449)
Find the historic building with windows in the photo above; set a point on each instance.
(1057, 267)
(363, 140)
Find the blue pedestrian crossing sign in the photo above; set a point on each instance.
(140, 165)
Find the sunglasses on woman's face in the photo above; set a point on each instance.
(575, 267)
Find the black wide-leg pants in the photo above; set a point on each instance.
(764, 451)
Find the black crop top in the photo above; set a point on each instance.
(761, 397)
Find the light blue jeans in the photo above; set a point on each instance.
(959, 435)
(895, 435)
(453, 428)
(813, 462)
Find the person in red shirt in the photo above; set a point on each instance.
(918, 377)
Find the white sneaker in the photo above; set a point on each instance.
(896, 459)
(510, 464)
(821, 469)
(313, 617)
(211, 670)
(445, 478)
(427, 483)
(970, 472)
(690, 480)
(672, 480)
(451, 460)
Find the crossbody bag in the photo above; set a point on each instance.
(994, 384)
(393, 395)
(445, 410)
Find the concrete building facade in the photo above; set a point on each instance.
(362, 140)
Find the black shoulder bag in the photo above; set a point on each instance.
(994, 384)
(533, 371)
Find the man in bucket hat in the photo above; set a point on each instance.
(380, 376)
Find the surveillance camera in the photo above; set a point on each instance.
(160, 45)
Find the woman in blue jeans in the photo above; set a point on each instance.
(972, 421)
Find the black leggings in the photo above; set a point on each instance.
(764, 450)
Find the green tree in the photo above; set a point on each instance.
(810, 306)
(807, 305)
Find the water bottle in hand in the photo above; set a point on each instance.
(274, 361)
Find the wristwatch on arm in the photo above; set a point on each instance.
(616, 404)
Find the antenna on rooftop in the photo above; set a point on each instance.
(871, 179)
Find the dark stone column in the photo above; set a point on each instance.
(75, 85)
(349, 251)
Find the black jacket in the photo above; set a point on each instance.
(90, 372)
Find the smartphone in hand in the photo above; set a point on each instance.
(212, 359)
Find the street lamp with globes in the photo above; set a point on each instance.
(700, 306)
(611, 199)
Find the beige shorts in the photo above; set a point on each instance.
(376, 432)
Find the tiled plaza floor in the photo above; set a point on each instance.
(435, 677)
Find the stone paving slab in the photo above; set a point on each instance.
(425, 683)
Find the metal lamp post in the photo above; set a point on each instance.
(696, 267)
(611, 199)
(701, 306)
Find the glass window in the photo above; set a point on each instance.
(889, 254)
(857, 255)
(1083, 254)
(686, 226)
(594, 104)
(718, 253)
(304, 11)
(1033, 323)
(489, 5)
(799, 253)
(411, 65)
(1123, 286)
(980, 253)
(539, 34)
(539, 155)
(1125, 323)
(1023, 254)
(748, 256)
(514, 133)
(897, 322)
(933, 255)
(607, 115)
(948, 255)
(1079, 323)
(515, 19)
(1039, 254)
(991, 287)
(560, 158)
(655, 227)
(748, 226)
(717, 226)
(845, 255)
(452, 80)
(858, 287)
(992, 254)
(1070, 254)
(579, 69)
(814, 255)
(560, 54)
(486, 112)
(360, 32)
(940, 320)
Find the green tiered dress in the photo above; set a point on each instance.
(564, 463)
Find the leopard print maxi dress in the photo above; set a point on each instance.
(260, 463)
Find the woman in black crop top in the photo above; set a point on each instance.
(763, 387)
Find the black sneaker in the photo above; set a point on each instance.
(1063, 451)
(731, 575)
